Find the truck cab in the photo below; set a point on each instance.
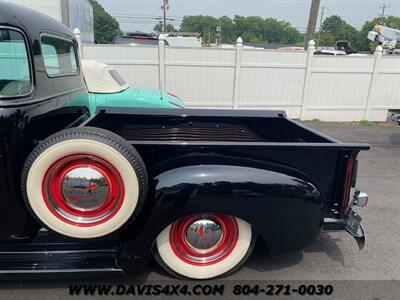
(40, 73)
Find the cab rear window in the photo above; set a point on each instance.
(15, 76)
(59, 56)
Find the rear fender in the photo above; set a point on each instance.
(285, 210)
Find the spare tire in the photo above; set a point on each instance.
(84, 182)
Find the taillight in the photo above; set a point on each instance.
(347, 185)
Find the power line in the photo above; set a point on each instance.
(136, 18)
(148, 18)
(147, 22)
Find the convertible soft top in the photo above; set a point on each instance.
(102, 78)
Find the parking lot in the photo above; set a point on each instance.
(335, 256)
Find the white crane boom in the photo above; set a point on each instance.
(389, 37)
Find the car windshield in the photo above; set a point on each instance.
(15, 78)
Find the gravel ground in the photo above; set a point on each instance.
(335, 256)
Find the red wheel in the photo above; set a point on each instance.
(83, 190)
(84, 182)
(204, 246)
(204, 241)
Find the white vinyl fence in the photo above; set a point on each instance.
(330, 88)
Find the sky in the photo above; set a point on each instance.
(139, 15)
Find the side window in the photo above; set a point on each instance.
(118, 78)
(59, 56)
(15, 76)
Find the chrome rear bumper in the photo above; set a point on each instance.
(350, 223)
(356, 230)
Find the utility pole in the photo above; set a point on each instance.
(218, 38)
(165, 7)
(383, 8)
(312, 22)
(320, 24)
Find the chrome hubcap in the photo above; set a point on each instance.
(85, 189)
(204, 235)
(203, 239)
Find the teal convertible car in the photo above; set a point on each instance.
(108, 88)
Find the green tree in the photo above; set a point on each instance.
(325, 39)
(227, 30)
(205, 25)
(291, 35)
(363, 44)
(159, 28)
(274, 31)
(252, 29)
(339, 29)
(105, 26)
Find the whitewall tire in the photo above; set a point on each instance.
(84, 182)
(213, 253)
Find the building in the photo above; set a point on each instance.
(72, 13)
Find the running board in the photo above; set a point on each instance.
(59, 263)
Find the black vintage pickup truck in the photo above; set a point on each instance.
(83, 194)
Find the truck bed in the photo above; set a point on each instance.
(187, 125)
(177, 137)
